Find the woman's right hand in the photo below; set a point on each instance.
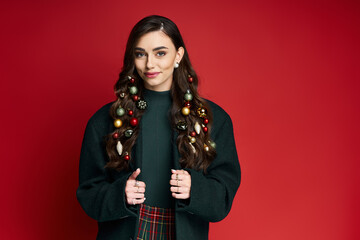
(134, 189)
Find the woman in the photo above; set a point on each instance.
(160, 162)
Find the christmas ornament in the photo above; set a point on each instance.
(185, 111)
(120, 111)
(128, 133)
(181, 125)
(188, 96)
(117, 123)
(141, 104)
(119, 147)
(197, 128)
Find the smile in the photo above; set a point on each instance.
(151, 74)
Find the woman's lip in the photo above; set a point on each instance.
(151, 74)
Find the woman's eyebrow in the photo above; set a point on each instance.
(158, 48)
(155, 49)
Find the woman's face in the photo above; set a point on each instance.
(155, 58)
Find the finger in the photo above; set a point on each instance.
(177, 183)
(135, 195)
(174, 182)
(179, 189)
(132, 183)
(180, 171)
(139, 184)
(181, 195)
(130, 190)
(135, 174)
(136, 189)
(173, 171)
(178, 176)
(134, 201)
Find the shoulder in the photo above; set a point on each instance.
(220, 116)
(222, 123)
(101, 118)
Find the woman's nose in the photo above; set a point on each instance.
(149, 62)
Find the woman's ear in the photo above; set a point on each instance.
(179, 54)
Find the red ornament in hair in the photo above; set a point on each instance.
(190, 79)
(133, 122)
(135, 97)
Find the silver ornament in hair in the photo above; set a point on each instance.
(141, 104)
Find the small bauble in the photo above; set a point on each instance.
(206, 147)
(117, 123)
(133, 121)
(181, 125)
(212, 144)
(205, 129)
(135, 97)
(133, 90)
(187, 104)
(115, 135)
(188, 96)
(128, 133)
(120, 111)
(201, 112)
(185, 111)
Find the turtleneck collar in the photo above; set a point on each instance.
(154, 97)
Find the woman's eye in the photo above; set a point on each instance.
(160, 54)
(139, 54)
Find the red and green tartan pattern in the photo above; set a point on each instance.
(156, 223)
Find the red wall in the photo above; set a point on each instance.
(286, 71)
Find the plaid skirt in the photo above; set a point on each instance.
(156, 223)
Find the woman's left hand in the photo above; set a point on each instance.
(180, 184)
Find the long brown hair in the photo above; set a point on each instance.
(197, 155)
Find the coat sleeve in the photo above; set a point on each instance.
(101, 198)
(212, 194)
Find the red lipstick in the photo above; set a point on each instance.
(151, 74)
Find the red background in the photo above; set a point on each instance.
(287, 72)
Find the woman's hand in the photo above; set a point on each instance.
(134, 190)
(180, 184)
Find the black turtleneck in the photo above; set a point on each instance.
(156, 137)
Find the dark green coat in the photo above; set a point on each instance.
(101, 192)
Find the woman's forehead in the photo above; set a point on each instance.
(153, 40)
